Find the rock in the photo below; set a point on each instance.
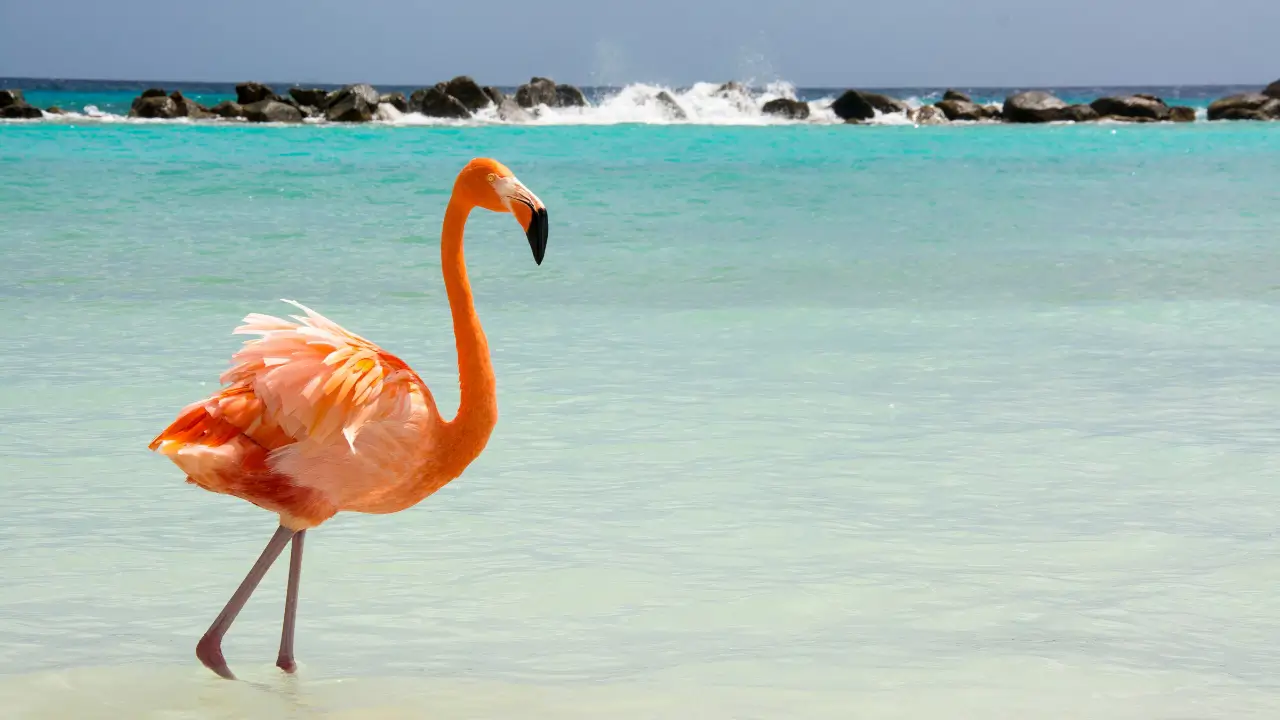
(20, 112)
(158, 107)
(570, 96)
(1180, 113)
(55, 110)
(852, 105)
(1273, 90)
(272, 111)
(963, 110)
(228, 109)
(784, 107)
(930, 115)
(1132, 106)
(153, 92)
(993, 111)
(353, 103)
(495, 95)
(396, 100)
(538, 91)
(1246, 106)
(1034, 106)
(468, 92)
(956, 95)
(13, 106)
(189, 108)
(315, 97)
(858, 105)
(886, 104)
(248, 93)
(1079, 113)
(308, 111)
(435, 102)
(670, 107)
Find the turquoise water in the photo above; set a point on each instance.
(798, 421)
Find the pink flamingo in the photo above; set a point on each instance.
(315, 419)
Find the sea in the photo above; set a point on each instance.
(797, 419)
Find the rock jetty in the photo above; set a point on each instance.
(462, 97)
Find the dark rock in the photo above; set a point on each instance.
(155, 107)
(11, 97)
(1132, 106)
(852, 105)
(1034, 106)
(228, 109)
(189, 108)
(315, 97)
(353, 103)
(435, 102)
(886, 104)
(20, 112)
(272, 111)
(396, 100)
(495, 95)
(993, 111)
(468, 92)
(538, 91)
(858, 105)
(415, 99)
(956, 95)
(670, 107)
(1247, 106)
(153, 92)
(785, 107)
(308, 111)
(963, 110)
(930, 115)
(570, 96)
(1180, 113)
(1080, 113)
(249, 93)
(55, 110)
(1273, 90)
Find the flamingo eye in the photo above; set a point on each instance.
(492, 177)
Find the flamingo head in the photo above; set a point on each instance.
(491, 185)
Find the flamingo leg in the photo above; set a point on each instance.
(209, 649)
(284, 660)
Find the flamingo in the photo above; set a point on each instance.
(314, 419)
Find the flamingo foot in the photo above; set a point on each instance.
(286, 663)
(209, 651)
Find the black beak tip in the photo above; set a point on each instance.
(537, 234)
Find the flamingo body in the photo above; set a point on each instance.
(314, 420)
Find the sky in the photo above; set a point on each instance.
(812, 43)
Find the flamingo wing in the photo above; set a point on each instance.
(313, 418)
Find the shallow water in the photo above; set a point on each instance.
(795, 421)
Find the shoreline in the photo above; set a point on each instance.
(462, 101)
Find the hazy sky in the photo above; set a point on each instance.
(809, 42)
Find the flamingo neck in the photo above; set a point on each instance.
(467, 434)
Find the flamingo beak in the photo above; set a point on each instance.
(532, 215)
